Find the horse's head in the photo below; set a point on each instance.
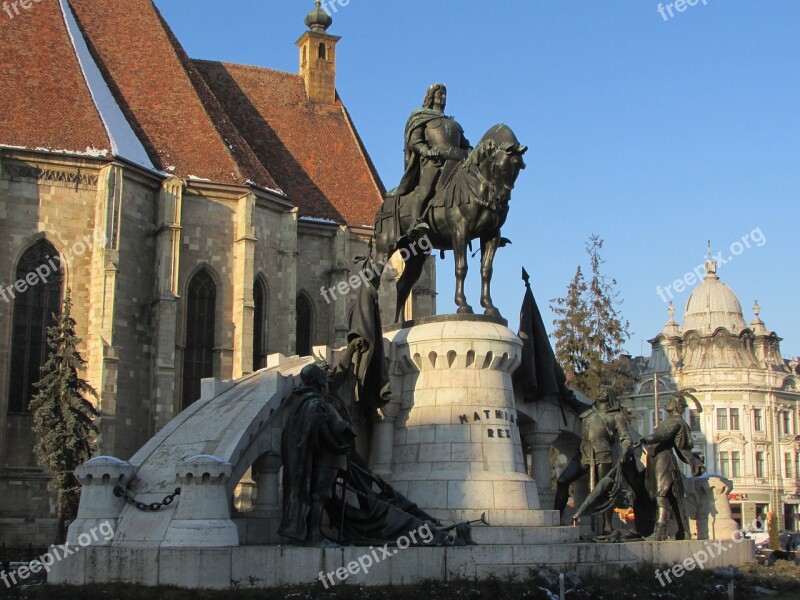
(498, 157)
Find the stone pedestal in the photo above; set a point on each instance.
(203, 516)
(457, 448)
(99, 508)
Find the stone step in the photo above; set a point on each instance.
(501, 518)
(525, 535)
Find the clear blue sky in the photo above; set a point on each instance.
(656, 135)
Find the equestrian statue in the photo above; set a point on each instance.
(450, 194)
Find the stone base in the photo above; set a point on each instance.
(274, 566)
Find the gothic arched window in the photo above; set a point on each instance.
(259, 324)
(305, 325)
(34, 311)
(198, 355)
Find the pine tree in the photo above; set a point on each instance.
(63, 419)
(590, 331)
(609, 330)
(572, 331)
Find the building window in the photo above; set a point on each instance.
(694, 420)
(788, 465)
(758, 423)
(736, 464)
(198, 355)
(786, 423)
(259, 325)
(321, 51)
(761, 470)
(724, 464)
(797, 464)
(734, 419)
(305, 325)
(722, 419)
(34, 312)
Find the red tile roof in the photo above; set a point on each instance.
(311, 149)
(44, 99)
(223, 122)
(167, 103)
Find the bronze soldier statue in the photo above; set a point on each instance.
(664, 481)
(314, 448)
(601, 425)
(434, 146)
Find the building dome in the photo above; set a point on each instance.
(713, 304)
(318, 19)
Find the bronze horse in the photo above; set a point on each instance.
(470, 202)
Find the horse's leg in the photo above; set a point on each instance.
(460, 253)
(488, 249)
(411, 273)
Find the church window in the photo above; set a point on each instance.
(259, 325)
(305, 325)
(198, 357)
(35, 310)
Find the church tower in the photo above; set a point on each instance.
(318, 56)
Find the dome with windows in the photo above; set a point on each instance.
(712, 304)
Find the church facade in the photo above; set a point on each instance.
(747, 430)
(197, 211)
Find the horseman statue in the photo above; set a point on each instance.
(434, 145)
(450, 194)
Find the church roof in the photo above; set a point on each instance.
(39, 106)
(186, 116)
(712, 304)
(311, 148)
(175, 115)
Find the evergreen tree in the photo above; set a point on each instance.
(609, 330)
(63, 419)
(572, 331)
(590, 331)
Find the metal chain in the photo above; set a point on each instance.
(121, 492)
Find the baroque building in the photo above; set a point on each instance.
(747, 430)
(196, 210)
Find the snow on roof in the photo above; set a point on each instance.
(124, 142)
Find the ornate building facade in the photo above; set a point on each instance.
(196, 210)
(747, 430)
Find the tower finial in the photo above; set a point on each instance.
(711, 264)
(318, 19)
